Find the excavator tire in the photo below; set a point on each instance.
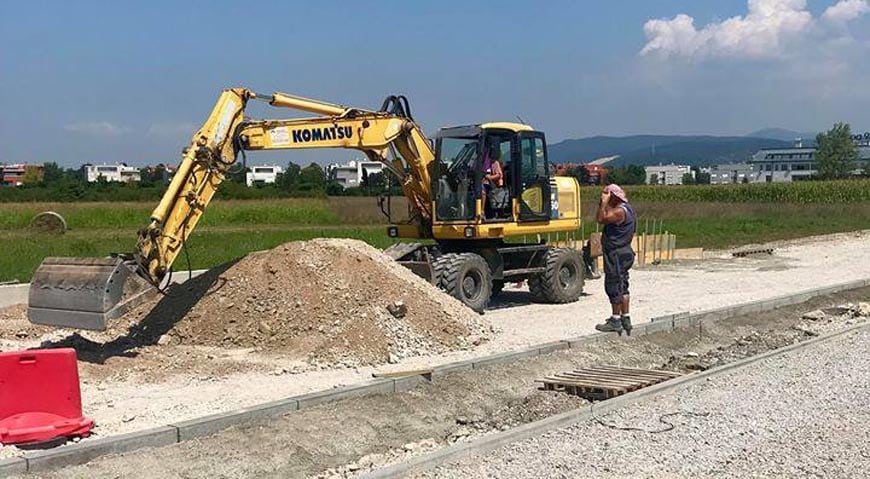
(439, 264)
(466, 277)
(562, 280)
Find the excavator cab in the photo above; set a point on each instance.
(526, 192)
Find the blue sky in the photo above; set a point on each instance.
(124, 81)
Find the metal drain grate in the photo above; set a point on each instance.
(605, 382)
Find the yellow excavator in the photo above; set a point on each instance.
(469, 228)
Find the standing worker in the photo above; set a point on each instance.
(619, 222)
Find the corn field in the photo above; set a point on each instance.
(802, 192)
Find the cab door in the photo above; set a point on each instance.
(532, 177)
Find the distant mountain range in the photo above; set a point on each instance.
(785, 135)
(646, 150)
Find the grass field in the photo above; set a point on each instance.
(232, 228)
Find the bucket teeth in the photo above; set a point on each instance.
(84, 293)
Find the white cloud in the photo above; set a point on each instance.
(99, 128)
(762, 33)
(846, 10)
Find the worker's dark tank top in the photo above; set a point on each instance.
(619, 235)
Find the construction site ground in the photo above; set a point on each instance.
(355, 436)
(162, 382)
(795, 415)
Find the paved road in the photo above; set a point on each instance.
(805, 414)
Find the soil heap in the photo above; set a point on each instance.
(326, 300)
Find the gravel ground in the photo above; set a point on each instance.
(206, 381)
(803, 414)
(380, 430)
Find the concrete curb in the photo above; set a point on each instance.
(185, 430)
(13, 465)
(494, 441)
(206, 425)
(84, 451)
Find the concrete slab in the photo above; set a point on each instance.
(87, 450)
(506, 357)
(13, 465)
(655, 327)
(581, 341)
(206, 425)
(547, 348)
(664, 317)
(453, 367)
(408, 383)
(17, 293)
(375, 386)
(13, 294)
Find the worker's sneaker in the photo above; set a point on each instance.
(626, 324)
(612, 325)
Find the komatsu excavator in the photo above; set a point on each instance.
(469, 248)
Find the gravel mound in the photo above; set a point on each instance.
(327, 300)
(14, 324)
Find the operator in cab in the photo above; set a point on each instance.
(619, 222)
(493, 178)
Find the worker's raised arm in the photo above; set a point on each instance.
(606, 214)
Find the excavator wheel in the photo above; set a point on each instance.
(439, 264)
(562, 280)
(466, 277)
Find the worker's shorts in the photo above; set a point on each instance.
(616, 266)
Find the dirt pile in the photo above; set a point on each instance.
(327, 300)
(14, 324)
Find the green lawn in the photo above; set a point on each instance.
(231, 229)
(23, 251)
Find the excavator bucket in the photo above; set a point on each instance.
(85, 293)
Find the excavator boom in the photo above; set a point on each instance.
(86, 293)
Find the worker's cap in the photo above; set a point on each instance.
(616, 191)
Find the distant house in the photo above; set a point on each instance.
(779, 165)
(13, 175)
(263, 174)
(352, 173)
(119, 172)
(732, 173)
(169, 173)
(782, 165)
(666, 174)
(586, 173)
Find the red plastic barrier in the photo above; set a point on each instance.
(40, 398)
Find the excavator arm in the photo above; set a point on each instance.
(88, 292)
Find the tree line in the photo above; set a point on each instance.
(69, 184)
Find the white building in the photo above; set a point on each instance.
(666, 174)
(351, 174)
(783, 165)
(263, 174)
(118, 172)
(732, 173)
